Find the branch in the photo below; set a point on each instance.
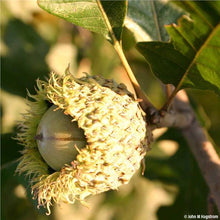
(206, 157)
(204, 152)
(182, 116)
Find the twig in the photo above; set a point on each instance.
(198, 141)
(178, 119)
(206, 156)
(170, 100)
(145, 103)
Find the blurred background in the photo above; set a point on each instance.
(33, 43)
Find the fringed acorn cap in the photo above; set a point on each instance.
(114, 127)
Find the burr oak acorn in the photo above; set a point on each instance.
(81, 137)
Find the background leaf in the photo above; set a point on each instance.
(181, 170)
(192, 57)
(26, 47)
(146, 19)
(88, 15)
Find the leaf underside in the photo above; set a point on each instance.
(192, 58)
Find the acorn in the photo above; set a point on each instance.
(58, 138)
(81, 137)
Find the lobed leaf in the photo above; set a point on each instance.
(191, 59)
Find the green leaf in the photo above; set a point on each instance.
(88, 14)
(25, 60)
(146, 19)
(116, 12)
(192, 57)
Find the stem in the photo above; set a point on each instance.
(181, 120)
(198, 142)
(170, 99)
(145, 103)
(204, 152)
(169, 89)
(207, 158)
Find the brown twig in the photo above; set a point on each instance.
(203, 150)
(206, 156)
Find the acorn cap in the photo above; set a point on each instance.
(116, 138)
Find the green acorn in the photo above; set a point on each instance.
(58, 135)
(82, 137)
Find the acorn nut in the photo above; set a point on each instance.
(59, 138)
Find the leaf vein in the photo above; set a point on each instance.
(196, 56)
(184, 38)
(156, 19)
